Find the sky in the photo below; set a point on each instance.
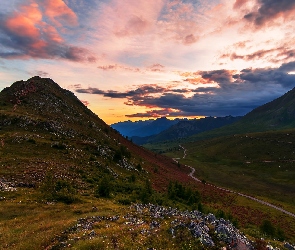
(143, 59)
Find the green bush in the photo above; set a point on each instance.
(267, 228)
(56, 189)
(104, 188)
(176, 191)
(146, 193)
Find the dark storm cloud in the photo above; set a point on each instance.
(133, 94)
(235, 93)
(269, 10)
(220, 76)
(157, 113)
(287, 67)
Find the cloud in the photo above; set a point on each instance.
(276, 54)
(114, 67)
(268, 10)
(219, 76)
(39, 73)
(130, 18)
(156, 67)
(26, 34)
(157, 113)
(239, 3)
(145, 90)
(135, 26)
(59, 13)
(86, 103)
(180, 21)
(287, 67)
(227, 92)
(190, 39)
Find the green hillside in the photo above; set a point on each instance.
(276, 115)
(67, 180)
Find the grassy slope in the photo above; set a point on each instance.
(28, 152)
(261, 164)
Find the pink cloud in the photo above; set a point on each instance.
(86, 103)
(25, 22)
(135, 25)
(118, 67)
(59, 13)
(157, 67)
(28, 34)
(189, 39)
(129, 18)
(157, 113)
(239, 3)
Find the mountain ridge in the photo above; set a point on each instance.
(186, 128)
(144, 128)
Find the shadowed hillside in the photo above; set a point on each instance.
(276, 115)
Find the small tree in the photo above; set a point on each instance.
(104, 188)
(267, 228)
(146, 193)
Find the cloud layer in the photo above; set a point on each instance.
(219, 92)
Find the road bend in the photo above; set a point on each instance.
(191, 174)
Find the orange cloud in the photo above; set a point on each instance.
(59, 13)
(52, 34)
(34, 31)
(24, 23)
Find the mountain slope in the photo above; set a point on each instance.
(68, 180)
(276, 115)
(46, 128)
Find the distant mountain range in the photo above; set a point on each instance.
(278, 114)
(144, 128)
(186, 128)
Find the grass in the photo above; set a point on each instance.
(28, 223)
(80, 150)
(259, 164)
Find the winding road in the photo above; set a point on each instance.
(191, 174)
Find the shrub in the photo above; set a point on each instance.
(104, 188)
(178, 191)
(138, 167)
(267, 228)
(56, 189)
(146, 193)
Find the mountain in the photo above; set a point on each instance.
(186, 128)
(68, 180)
(127, 128)
(46, 128)
(144, 128)
(278, 114)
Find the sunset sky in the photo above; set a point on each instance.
(142, 59)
